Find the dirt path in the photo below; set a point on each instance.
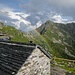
(64, 59)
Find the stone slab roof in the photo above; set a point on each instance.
(13, 55)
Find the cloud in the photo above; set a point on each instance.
(15, 17)
(66, 3)
(36, 12)
(38, 24)
(19, 20)
(59, 19)
(45, 9)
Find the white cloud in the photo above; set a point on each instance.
(45, 7)
(39, 11)
(17, 24)
(5, 21)
(20, 16)
(17, 16)
(38, 24)
(25, 15)
(59, 19)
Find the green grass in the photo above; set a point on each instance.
(15, 34)
(65, 65)
(58, 42)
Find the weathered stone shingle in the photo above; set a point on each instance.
(20, 59)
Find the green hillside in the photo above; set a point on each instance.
(15, 34)
(60, 38)
(19, 36)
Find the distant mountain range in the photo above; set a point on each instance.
(57, 38)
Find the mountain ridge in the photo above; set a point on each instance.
(59, 38)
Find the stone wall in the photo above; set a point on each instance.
(37, 64)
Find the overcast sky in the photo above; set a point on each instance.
(26, 14)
